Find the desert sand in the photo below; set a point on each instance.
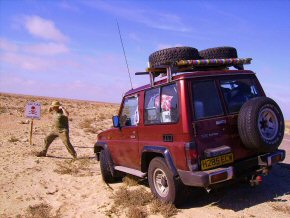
(56, 186)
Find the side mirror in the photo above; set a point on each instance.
(116, 122)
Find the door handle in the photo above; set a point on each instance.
(220, 122)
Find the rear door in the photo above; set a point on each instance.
(210, 121)
(236, 90)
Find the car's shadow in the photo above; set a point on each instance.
(239, 196)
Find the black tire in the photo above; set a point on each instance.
(256, 124)
(176, 189)
(218, 52)
(171, 55)
(105, 169)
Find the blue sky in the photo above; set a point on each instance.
(72, 48)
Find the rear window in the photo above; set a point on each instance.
(206, 100)
(237, 92)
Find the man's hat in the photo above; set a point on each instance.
(55, 104)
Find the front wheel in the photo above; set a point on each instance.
(162, 182)
(105, 169)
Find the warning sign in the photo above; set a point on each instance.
(32, 110)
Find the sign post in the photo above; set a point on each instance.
(32, 110)
(31, 129)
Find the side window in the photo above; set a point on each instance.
(152, 106)
(206, 100)
(130, 113)
(161, 105)
(169, 104)
(237, 92)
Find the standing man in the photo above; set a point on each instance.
(60, 129)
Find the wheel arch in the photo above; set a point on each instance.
(98, 147)
(150, 152)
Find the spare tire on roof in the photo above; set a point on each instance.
(171, 55)
(218, 52)
(261, 124)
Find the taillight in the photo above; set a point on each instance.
(191, 156)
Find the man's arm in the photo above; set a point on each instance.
(65, 112)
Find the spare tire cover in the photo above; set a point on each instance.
(171, 55)
(261, 124)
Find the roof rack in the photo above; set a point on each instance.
(193, 65)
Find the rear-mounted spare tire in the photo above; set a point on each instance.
(261, 124)
(218, 52)
(171, 55)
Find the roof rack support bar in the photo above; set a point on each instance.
(151, 75)
(169, 74)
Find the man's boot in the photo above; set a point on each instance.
(41, 154)
(75, 156)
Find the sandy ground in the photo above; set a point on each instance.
(56, 186)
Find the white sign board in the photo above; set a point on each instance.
(32, 110)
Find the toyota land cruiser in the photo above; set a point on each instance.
(200, 125)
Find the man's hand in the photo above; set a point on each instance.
(65, 112)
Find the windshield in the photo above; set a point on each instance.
(237, 92)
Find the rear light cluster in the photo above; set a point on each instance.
(191, 156)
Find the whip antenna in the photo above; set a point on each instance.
(124, 54)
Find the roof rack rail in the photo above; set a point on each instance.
(193, 65)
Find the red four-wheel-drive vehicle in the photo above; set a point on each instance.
(201, 125)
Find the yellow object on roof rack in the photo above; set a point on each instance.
(214, 62)
(183, 64)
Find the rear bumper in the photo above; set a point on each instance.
(210, 177)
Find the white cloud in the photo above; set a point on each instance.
(69, 6)
(163, 46)
(25, 62)
(44, 29)
(46, 48)
(7, 45)
(43, 49)
(151, 18)
(135, 37)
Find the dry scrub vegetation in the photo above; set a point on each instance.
(137, 202)
(130, 180)
(78, 167)
(281, 207)
(40, 211)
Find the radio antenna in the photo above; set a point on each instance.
(124, 53)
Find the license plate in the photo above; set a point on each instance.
(216, 161)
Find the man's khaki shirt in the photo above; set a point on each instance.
(60, 121)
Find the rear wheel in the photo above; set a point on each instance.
(163, 184)
(105, 169)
